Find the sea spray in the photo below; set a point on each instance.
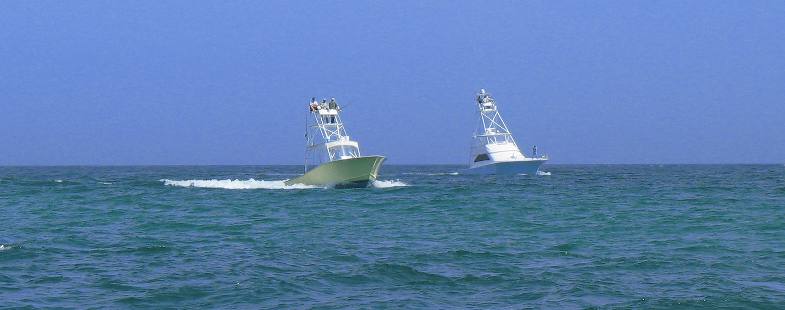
(430, 174)
(388, 183)
(235, 184)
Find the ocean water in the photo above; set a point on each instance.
(638, 236)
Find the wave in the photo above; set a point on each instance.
(423, 173)
(261, 184)
(538, 173)
(235, 184)
(4, 247)
(388, 183)
(403, 273)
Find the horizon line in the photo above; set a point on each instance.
(396, 164)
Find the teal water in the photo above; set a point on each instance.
(584, 236)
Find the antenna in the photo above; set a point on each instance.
(305, 156)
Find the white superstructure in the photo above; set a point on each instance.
(326, 137)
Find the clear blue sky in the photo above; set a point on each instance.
(209, 82)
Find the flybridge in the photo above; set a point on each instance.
(327, 130)
(492, 123)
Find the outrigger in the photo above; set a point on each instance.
(331, 157)
(494, 150)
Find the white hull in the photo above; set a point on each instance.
(528, 167)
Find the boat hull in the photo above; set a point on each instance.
(528, 167)
(343, 173)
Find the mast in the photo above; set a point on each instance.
(307, 137)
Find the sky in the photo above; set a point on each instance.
(228, 82)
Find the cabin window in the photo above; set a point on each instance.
(481, 157)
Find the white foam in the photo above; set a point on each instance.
(106, 183)
(3, 247)
(234, 184)
(388, 183)
(58, 181)
(543, 172)
(421, 173)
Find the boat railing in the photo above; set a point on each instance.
(544, 156)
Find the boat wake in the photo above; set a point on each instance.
(430, 174)
(234, 184)
(538, 173)
(261, 184)
(388, 183)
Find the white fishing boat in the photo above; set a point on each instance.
(494, 150)
(331, 157)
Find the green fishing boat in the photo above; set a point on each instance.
(332, 158)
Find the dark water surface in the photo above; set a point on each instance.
(584, 236)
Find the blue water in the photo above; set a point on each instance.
(583, 236)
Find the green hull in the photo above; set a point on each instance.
(354, 172)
